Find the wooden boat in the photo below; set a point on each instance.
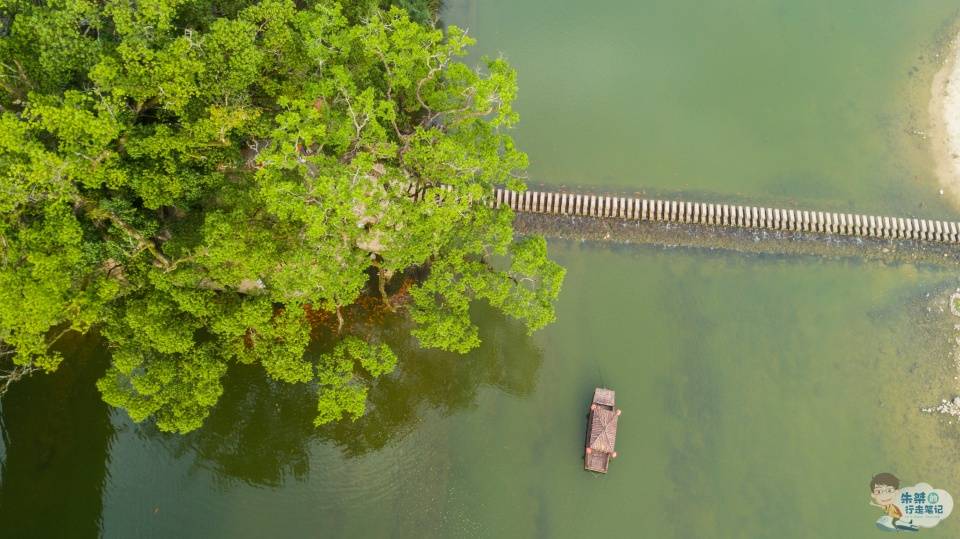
(601, 431)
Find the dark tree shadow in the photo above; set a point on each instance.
(261, 431)
(56, 435)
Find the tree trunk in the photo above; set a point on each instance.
(382, 280)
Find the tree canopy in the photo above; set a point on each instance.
(195, 178)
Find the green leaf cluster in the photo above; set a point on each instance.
(193, 176)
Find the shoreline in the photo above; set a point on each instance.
(944, 109)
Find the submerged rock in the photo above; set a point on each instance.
(948, 407)
(953, 303)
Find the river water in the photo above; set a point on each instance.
(760, 393)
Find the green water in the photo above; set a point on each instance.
(760, 394)
(775, 101)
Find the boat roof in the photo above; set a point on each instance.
(603, 430)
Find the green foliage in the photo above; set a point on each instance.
(421, 11)
(192, 176)
(342, 393)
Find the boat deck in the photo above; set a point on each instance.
(597, 462)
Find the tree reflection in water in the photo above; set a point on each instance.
(57, 435)
(261, 431)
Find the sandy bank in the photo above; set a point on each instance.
(945, 121)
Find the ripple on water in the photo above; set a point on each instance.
(412, 469)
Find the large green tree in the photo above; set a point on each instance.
(192, 178)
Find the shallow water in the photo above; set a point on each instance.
(760, 393)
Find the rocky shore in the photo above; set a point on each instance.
(747, 241)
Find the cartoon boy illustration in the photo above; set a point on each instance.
(883, 494)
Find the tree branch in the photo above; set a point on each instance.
(98, 213)
(15, 373)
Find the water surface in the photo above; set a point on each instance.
(760, 393)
